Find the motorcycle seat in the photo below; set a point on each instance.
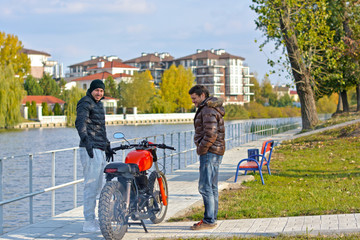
(122, 168)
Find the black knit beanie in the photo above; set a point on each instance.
(96, 84)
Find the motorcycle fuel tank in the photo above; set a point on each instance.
(142, 158)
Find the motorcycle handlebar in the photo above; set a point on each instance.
(123, 147)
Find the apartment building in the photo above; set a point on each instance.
(156, 63)
(40, 64)
(82, 69)
(224, 74)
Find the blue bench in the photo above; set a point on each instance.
(256, 161)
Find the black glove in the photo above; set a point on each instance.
(109, 153)
(89, 149)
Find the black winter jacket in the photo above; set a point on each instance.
(90, 122)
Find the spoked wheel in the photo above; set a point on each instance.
(112, 211)
(159, 214)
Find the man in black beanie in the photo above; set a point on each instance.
(94, 146)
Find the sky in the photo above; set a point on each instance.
(72, 31)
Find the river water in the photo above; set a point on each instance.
(19, 142)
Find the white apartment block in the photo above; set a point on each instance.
(225, 75)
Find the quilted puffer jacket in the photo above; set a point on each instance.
(90, 122)
(209, 127)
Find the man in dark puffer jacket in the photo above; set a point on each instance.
(94, 145)
(210, 142)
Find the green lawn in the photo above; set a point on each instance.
(313, 175)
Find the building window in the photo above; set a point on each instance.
(84, 86)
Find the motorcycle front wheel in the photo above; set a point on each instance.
(154, 188)
(112, 209)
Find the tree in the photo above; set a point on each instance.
(11, 95)
(32, 86)
(344, 21)
(285, 100)
(184, 83)
(71, 97)
(45, 109)
(49, 86)
(256, 89)
(10, 54)
(137, 92)
(110, 87)
(267, 92)
(174, 88)
(57, 109)
(31, 109)
(300, 29)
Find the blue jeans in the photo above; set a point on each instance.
(93, 170)
(208, 185)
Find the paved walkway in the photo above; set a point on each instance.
(183, 194)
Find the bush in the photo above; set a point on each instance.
(45, 109)
(327, 104)
(57, 110)
(233, 111)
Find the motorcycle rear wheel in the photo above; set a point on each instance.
(155, 189)
(112, 209)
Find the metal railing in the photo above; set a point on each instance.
(237, 133)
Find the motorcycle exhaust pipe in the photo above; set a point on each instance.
(139, 216)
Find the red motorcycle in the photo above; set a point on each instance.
(133, 196)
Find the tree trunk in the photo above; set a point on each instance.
(345, 101)
(358, 97)
(339, 105)
(300, 72)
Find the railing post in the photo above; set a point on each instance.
(31, 205)
(1, 198)
(164, 161)
(53, 184)
(172, 166)
(179, 150)
(185, 149)
(191, 146)
(75, 178)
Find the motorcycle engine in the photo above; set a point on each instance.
(142, 181)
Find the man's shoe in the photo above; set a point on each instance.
(91, 226)
(202, 225)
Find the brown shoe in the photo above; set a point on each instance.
(201, 225)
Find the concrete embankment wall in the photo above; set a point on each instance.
(130, 119)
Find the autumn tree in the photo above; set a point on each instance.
(174, 88)
(13, 66)
(10, 54)
(137, 92)
(300, 29)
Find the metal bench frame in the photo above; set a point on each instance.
(252, 164)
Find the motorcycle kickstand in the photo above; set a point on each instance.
(143, 224)
(138, 223)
